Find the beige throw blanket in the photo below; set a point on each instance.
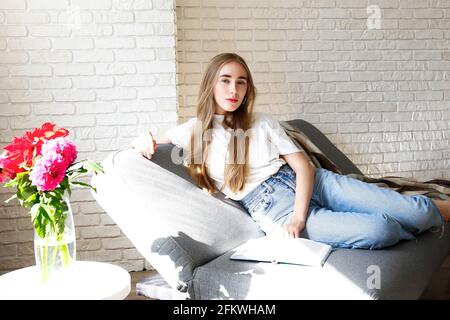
(437, 188)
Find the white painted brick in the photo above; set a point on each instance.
(20, 96)
(114, 68)
(382, 169)
(350, 107)
(96, 133)
(111, 144)
(73, 69)
(105, 256)
(93, 30)
(113, 119)
(22, 17)
(93, 56)
(96, 107)
(156, 67)
(12, 31)
(155, 16)
(114, 43)
(12, 4)
(13, 83)
(71, 44)
(49, 31)
(429, 95)
(368, 96)
(50, 56)
(353, 127)
(334, 76)
(117, 243)
(335, 13)
(156, 42)
(88, 245)
(398, 96)
(99, 231)
(324, 24)
(113, 17)
(164, 54)
(15, 109)
(92, 82)
(133, 4)
(73, 95)
(351, 87)
(134, 54)
(50, 83)
(116, 94)
(52, 109)
(86, 220)
(28, 44)
(135, 81)
(134, 29)
(93, 5)
(317, 45)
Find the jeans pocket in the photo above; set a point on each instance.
(261, 205)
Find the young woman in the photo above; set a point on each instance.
(249, 158)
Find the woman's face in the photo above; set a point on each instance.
(230, 88)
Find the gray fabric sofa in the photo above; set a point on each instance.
(188, 237)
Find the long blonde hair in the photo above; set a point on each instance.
(236, 170)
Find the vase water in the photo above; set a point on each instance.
(56, 252)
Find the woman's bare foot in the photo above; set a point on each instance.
(444, 208)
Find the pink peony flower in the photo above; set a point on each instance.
(48, 172)
(62, 146)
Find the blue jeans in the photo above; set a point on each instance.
(343, 212)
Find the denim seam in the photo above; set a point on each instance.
(322, 186)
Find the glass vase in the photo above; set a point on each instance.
(55, 254)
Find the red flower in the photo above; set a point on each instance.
(21, 152)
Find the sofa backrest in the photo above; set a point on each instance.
(175, 225)
(325, 146)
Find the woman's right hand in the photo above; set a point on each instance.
(145, 144)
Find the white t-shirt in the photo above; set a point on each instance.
(268, 141)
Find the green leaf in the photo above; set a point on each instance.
(82, 184)
(31, 200)
(11, 183)
(76, 166)
(92, 166)
(41, 220)
(35, 211)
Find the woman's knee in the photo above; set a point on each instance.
(385, 232)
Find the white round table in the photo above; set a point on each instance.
(87, 280)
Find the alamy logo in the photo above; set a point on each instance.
(374, 279)
(374, 18)
(234, 136)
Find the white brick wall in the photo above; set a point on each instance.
(318, 60)
(104, 69)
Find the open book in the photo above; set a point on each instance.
(283, 250)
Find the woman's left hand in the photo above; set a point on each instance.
(295, 227)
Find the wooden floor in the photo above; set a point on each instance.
(438, 289)
(135, 278)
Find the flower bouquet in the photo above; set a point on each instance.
(41, 165)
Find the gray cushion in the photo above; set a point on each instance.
(188, 237)
(404, 269)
